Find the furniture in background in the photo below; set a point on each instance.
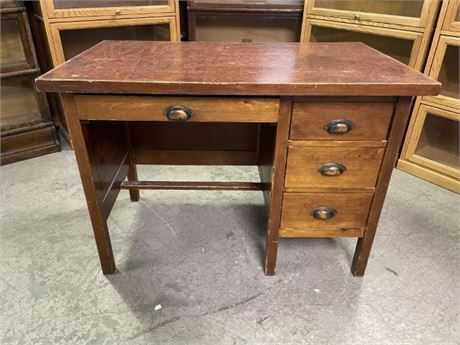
(327, 144)
(245, 20)
(65, 28)
(431, 147)
(401, 29)
(25, 120)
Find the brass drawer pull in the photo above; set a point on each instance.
(339, 126)
(332, 169)
(323, 213)
(178, 113)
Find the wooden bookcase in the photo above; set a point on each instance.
(67, 28)
(401, 29)
(431, 147)
(244, 20)
(26, 127)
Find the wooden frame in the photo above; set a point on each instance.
(55, 28)
(427, 12)
(83, 13)
(450, 23)
(419, 40)
(435, 67)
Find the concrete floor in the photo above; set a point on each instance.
(199, 254)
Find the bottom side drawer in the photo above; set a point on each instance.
(324, 214)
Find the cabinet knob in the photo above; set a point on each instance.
(332, 169)
(178, 113)
(356, 17)
(323, 213)
(339, 126)
(117, 12)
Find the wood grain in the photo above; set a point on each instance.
(362, 167)
(281, 69)
(371, 120)
(205, 109)
(352, 210)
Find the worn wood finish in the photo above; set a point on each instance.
(178, 185)
(352, 210)
(205, 109)
(362, 166)
(278, 173)
(107, 150)
(370, 120)
(281, 69)
(364, 244)
(93, 200)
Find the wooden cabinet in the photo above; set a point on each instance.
(245, 21)
(431, 148)
(70, 27)
(401, 29)
(26, 127)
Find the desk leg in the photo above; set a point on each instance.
(398, 127)
(134, 194)
(279, 167)
(98, 219)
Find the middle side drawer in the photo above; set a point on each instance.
(333, 167)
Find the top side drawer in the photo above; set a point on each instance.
(155, 108)
(340, 121)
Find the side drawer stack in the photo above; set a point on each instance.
(333, 162)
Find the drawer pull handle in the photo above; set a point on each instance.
(323, 213)
(178, 113)
(332, 169)
(340, 126)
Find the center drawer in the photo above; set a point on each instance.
(170, 108)
(340, 121)
(333, 167)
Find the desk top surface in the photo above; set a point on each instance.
(264, 69)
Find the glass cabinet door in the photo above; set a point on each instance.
(79, 8)
(15, 54)
(247, 28)
(20, 104)
(76, 37)
(435, 140)
(445, 69)
(403, 12)
(452, 20)
(401, 45)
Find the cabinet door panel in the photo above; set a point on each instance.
(402, 46)
(445, 68)
(119, 8)
(402, 12)
(19, 103)
(15, 52)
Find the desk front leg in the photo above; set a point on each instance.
(277, 183)
(101, 149)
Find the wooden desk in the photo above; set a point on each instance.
(323, 121)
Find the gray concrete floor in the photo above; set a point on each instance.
(199, 255)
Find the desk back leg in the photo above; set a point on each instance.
(134, 194)
(276, 194)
